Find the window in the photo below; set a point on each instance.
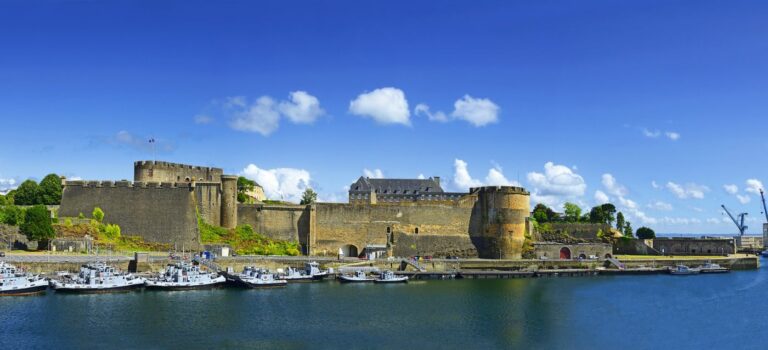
(416, 230)
(389, 229)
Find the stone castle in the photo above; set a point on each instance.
(401, 217)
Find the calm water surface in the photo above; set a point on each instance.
(630, 312)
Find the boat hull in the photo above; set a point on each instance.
(31, 290)
(80, 289)
(345, 279)
(152, 285)
(275, 284)
(397, 280)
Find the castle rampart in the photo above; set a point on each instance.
(160, 214)
(147, 170)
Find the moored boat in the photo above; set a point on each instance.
(356, 277)
(258, 278)
(710, 267)
(310, 273)
(683, 270)
(98, 278)
(390, 277)
(182, 276)
(14, 281)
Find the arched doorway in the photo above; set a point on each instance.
(349, 251)
(565, 253)
(583, 256)
(608, 256)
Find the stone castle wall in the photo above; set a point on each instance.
(158, 171)
(283, 222)
(157, 212)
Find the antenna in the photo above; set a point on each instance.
(152, 144)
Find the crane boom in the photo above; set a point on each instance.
(765, 211)
(739, 225)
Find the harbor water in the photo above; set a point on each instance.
(630, 312)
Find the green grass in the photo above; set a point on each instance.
(244, 241)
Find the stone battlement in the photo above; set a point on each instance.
(500, 189)
(135, 184)
(168, 165)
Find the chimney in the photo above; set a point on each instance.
(437, 180)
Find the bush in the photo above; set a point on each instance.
(98, 214)
(112, 231)
(81, 216)
(12, 215)
(68, 222)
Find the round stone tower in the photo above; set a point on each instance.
(503, 213)
(228, 201)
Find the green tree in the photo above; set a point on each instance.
(645, 233)
(308, 197)
(37, 224)
(244, 185)
(543, 213)
(572, 212)
(608, 213)
(11, 215)
(620, 221)
(50, 190)
(596, 215)
(28, 193)
(628, 230)
(98, 214)
(5, 200)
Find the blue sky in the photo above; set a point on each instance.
(564, 98)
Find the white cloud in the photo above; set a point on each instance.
(627, 203)
(496, 178)
(654, 184)
(462, 180)
(713, 221)
(373, 174)
(279, 183)
(7, 185)
(423, 109)
(612, 186)
(689, 190)
(302, 108)
(753, 186)
(743, 199)
(672, 135)
(601, 197)
(659, 205)
(476, 111)
(203, 119)
(558, 180)
(421, 177)
(651, 134)
(386, 106)
(261, 117)
(731, 189)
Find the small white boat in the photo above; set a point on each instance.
(14, 281)
(390, 277)
(310, 273)
(98, 278)
(357, 276)
(183, 275)
(683, 270)
(710, 267)
(259, 278)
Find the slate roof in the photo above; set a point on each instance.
(396, 186)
